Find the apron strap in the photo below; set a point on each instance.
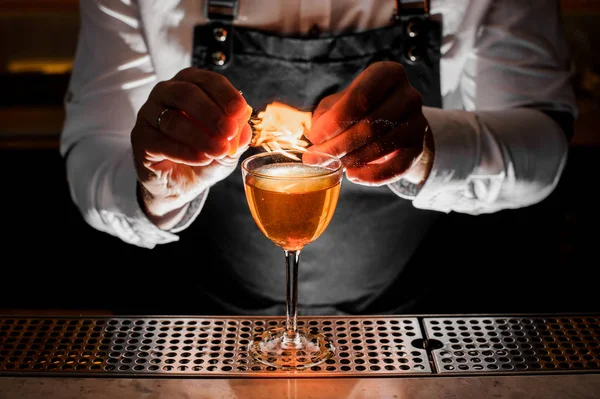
(220, 15)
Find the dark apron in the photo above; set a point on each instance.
(363, 254)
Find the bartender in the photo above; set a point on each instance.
(449, 106)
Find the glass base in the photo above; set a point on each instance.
(310, 350)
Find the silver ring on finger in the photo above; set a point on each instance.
(160, 116)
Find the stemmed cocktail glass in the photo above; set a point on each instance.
(292, 196)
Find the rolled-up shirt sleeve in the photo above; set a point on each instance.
(111, 79)
(502, 150)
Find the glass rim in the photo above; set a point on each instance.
(279, 152)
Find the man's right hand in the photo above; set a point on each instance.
(196, 142)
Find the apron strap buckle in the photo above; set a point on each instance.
(220, 15)
(411, 7)
(221, 10)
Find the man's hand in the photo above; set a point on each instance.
(188, 135)
(376, 126)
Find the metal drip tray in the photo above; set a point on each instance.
(198, 346)
(515, 344)
(364, 346)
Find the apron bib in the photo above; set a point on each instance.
(373, 233)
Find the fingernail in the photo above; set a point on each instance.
(234, 106)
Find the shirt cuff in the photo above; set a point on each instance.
(455, 136)
(192, 209)
(405, 189)
(120, 208)
(122, 215)
(191, 213)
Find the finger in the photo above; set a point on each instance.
(217, 87)
(325, 105)
(195, 103)
(408, 134)
(385, 170)
(181, 128)
(232, 157)
(245, 136)
(364, 94)
(375, 125)
(314, 158)
(233, 145)
(246, 130)
(159, 147)
(242, 139)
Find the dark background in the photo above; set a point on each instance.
(541, 259)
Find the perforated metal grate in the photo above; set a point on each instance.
(515, 344)
(200, 346)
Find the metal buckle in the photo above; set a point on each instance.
(405, 8)
(221, 10)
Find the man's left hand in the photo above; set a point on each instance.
(375, 126)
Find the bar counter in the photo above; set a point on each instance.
(447, 356)
(559, 386)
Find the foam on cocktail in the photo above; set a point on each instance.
(292, 170)
(291, 178)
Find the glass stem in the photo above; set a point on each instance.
(291, 339)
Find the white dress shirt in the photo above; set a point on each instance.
(503, 62)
